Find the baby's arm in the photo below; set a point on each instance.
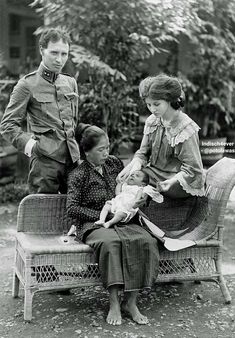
(153, 193)
(118, 189)
(140, 199)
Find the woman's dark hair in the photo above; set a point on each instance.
(54, 35)
(163, 87)
(87, 137)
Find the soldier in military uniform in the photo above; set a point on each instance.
(49, 100)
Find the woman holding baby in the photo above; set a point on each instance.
(127, 254)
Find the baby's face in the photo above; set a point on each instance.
(136, 178)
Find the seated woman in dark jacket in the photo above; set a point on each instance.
(126, 253)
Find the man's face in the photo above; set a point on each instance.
(55, 55)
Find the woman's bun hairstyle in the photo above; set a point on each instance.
(87, 137)
(79, 130)
(179, 103)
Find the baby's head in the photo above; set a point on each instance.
(138, 177)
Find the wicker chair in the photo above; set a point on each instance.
(44, 260)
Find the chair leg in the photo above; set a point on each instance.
(224, 289)
(221, 280)
(28, 303)
(15, 285)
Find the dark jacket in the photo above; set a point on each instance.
(88, 191)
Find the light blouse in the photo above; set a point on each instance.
(172, 149)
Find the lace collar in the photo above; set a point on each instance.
(177, 131)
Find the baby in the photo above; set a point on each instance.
(123, 205)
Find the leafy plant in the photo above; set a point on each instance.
(13, 192)
(210, 82)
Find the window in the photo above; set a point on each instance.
(14, 24)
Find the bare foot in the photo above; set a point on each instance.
(106, 225)
(99, 222)
(114, 316)
(135, 314)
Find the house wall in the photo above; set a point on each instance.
(18, 44)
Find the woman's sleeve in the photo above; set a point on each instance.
(145, 148)
(75, 210)
(191, 176)
(143, 153)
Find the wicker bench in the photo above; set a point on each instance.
(43, 261)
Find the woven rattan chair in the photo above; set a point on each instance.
(43, 261)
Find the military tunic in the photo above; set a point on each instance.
(49, 101)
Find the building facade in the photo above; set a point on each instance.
(18, 43)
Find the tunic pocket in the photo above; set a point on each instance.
(43, 98)
(72, 101)
(39, 129)
(45, 101)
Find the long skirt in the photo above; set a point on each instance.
(177, 217)
(127, 255)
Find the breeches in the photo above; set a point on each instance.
(48, 176)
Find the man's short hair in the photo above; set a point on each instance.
(54, 35)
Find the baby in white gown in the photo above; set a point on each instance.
(123, 205)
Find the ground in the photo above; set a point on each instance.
(180, 310)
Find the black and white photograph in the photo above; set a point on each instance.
(117, 168)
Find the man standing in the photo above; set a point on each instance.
(49, 101)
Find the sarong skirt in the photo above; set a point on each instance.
(127, 256)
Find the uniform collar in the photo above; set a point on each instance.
(47, 74)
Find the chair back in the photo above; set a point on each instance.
(41, 213)
(220, 180)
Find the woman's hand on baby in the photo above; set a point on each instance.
(123, 175)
